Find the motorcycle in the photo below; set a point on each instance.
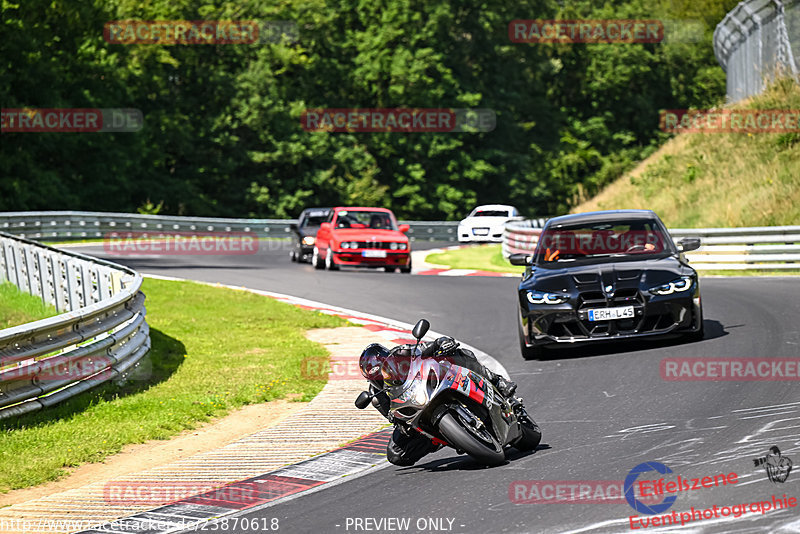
(453, 406)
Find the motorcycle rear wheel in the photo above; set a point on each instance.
(461, 437)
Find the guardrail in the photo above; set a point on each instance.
(757, 40)
(77, 225)
(761, 247)
(100, 335)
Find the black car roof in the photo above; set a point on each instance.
(603, 216)
(308, 210)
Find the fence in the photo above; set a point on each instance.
(77, 225)
(100, 335)
(762, 247)
(756, 40)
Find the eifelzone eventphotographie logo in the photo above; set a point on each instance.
(775, 464)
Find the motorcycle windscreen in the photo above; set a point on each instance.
(395, 369)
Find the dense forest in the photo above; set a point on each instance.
(222, 132)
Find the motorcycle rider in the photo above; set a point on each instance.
(407, 446)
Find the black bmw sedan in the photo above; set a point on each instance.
(304, 233)
(604, 276)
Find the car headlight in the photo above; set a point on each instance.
(539, 297)
(345, 244)
(309, 240)
(402, 246)
(393, 246)
(676, 286)
(353, 244)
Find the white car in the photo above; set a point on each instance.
(486, 223)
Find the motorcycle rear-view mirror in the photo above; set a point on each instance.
(420, 329)
(363, 400)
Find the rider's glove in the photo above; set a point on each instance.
(445, 346)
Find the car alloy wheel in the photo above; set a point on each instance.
(329, 264)
(316, 261)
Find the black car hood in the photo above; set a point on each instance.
(645, 273)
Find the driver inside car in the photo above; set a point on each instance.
(378, 364)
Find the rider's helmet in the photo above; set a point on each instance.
(371, 360)
(396, 366)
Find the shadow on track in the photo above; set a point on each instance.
(465, 463)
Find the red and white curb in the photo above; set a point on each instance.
(204, 510)
(358, 458)
(462, 272)
(423, 268)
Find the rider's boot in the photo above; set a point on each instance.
(506, 387)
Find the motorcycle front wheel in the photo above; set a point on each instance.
(531, 436)
(478, 443)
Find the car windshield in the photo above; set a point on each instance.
(374, 220)
(491, 213)
(315, 220)
(615, 239)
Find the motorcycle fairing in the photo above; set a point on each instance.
(471, 385)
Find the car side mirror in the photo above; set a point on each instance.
(420, 329)
(363, 400)
(404, 228)
(325, 226)
(520, 259)
(689, 243)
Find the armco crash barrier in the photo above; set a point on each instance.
(761, 247)
(76, 225)
(100, 335)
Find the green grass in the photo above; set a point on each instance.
(490, 258)
(480, 257)
(213, 350)
(18, 308)
(718, 180)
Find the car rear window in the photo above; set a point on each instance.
(491, 213)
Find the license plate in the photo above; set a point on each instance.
(609, 314)
(373, 253)
(480, 231)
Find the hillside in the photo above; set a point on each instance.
(713, 180)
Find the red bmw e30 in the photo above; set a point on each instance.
(362, 237)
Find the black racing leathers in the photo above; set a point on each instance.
(407, 446)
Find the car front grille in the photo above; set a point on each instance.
(578, 326)
(374, 244)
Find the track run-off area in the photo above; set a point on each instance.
(603, 410)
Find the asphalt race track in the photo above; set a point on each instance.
(602, 410)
